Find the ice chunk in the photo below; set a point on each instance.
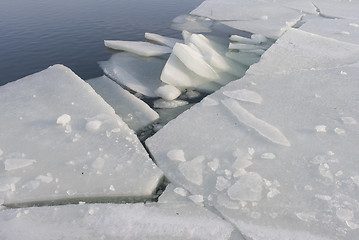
(176, 155)
(133, 111)
(145, 49)
(213, 54)
(262, 127)
(81, 164)
(241, 46)
(192, 170)
(160, 103)
(194, 61)
(177, 74)
(142, 75)
(247, 188)
(192, 23)
(167, 41)
(16, 163)
(64, 119)
(174, 220)
(243, 40)
(168, 92)
(244, 95)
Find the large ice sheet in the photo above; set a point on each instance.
(268, 18)
(338, 8)
(276, 154)
(61, 142)
(298, 50)
(181, 220)
(142, 75)
(145, 49)
(132, 110)
(346, 30)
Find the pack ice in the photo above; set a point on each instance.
(172, 220)
(61, 142)
(275, 152)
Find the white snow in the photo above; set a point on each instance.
(132, 110)
(56, 166)
(142, 75)
(145, 49)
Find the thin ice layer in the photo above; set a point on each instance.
(268, 190)
(181, 220)
(62, 142)
(298, 50)
(142, 75)
(132, 110)
(144, 49)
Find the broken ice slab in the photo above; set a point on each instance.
(160, 103)
(346, 9)
(214, 54)
(168, 92)
(244, 58)
(61, 142)
(142, 75)
(167, 41)
(268, 188)
(145, 49)
(298, 50)
(267, 18)
(346, 30)
(175, 73)
(179, 220)
(194, 24)
(132, 110)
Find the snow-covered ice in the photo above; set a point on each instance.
(142, 75)
(263, 165)
(170, 220)
(265, 17)
(145, 49)
(132, 110)
(67, 144)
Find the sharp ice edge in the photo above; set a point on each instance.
(263, 128)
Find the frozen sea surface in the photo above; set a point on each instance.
(269, 153)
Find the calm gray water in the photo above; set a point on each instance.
(35, 34)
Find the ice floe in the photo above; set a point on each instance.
(132, 110)
(266, 189)
(145, 49)
(142, 75)
(172, 220)
(98, 158)
(167, 41)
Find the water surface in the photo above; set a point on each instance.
(35, 34)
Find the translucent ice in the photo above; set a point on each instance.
(142, 75)
(168, 92)
(145, 49)
(167, 41)
(133, 111)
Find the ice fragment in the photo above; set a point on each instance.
(16, 163)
